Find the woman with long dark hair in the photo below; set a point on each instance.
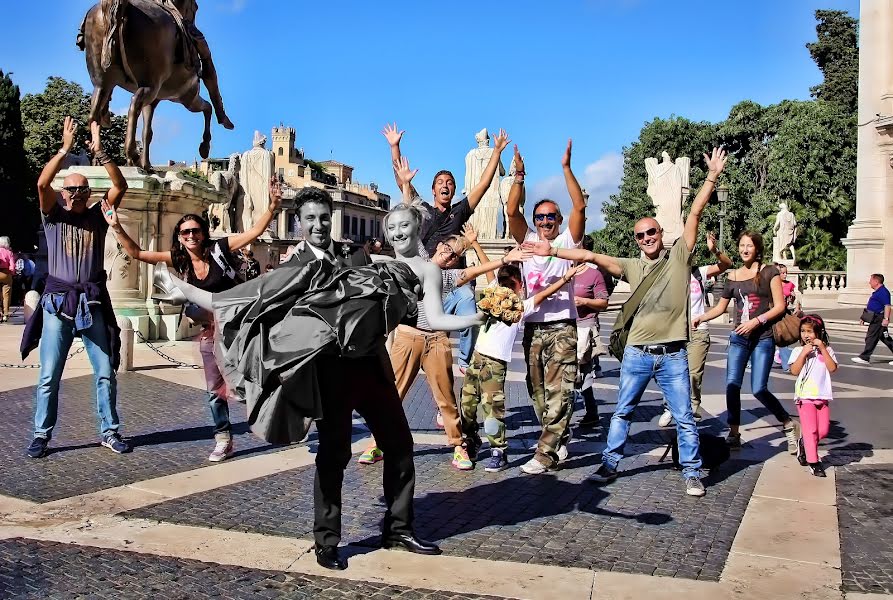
(759, 303)
(207, 264)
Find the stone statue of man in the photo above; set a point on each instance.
(666, 182)
(254, 179)
(784, 233)
(486, 215)
(505, 187)
(227, 182)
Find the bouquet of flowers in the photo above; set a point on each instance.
(500, 304)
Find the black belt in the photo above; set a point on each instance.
(551, 324)
(669, 348)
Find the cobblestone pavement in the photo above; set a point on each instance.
(47, 570)
(865, 519)
(642, 523)
(168, 424)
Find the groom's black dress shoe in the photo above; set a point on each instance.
(409, 542)
(327, 556)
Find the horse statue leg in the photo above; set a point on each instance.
(142, 97)
(195, 103)
(148, 113)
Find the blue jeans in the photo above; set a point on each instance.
(461, 302)
(671, 373)
(784, 354)
(55, 340)
(214, 383)
(761, 354)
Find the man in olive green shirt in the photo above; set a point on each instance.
(659, 332)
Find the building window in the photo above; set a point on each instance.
(280, 150)
(281, 172)
(363, 229)
(345, 226)
(353, 226)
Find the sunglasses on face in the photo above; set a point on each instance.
(545, 217)
(74, 190)
(449, 252)
(640, 235)
(193, 232)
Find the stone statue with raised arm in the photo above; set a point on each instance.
(222, 213)
(486, 215)
(784, 234)
(667, 182)
(505, 186)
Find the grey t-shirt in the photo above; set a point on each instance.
(448, 281)
(75, 243)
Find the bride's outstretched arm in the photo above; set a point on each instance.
(432, 285)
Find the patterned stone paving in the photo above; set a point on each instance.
(46, 570)
(642, 523)
(865, 518)
(168, 424)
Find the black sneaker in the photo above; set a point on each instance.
(733, 441)
(801, 452)
(589, 420)
(113, 442)
(817, 469)
(473, 445)
(38, 447)
(498, 461)
(603, 474)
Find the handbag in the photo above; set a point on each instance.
(620, 333)
(786, 330)
(868, 316)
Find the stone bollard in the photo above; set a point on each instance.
(32, 300)
(126, 344)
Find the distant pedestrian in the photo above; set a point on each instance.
(591, 298)
(877, 316)
(813, 363)
(792, 301)
(252, 266)
(7, 270)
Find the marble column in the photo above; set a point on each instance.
(869, 241)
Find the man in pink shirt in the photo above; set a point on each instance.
(7, 268)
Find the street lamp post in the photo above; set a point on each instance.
(722, 193)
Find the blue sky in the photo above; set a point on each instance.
(593, 70)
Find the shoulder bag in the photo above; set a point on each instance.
(617, 341)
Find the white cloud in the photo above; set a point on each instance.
(236, 6)
(600, 179)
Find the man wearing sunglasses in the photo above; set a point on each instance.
(445, 219)
(656, 345)
(75, 301)
(550, 332)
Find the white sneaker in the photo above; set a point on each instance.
(534, 467)
(861, 361)
(222, 450)
(665, 419)
(562, 452)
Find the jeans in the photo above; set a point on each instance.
(761, 354)
(461, 302)
(671, 373)
(56, 338)
(217, 396)
(784, 355)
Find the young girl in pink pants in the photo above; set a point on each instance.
(812, 363)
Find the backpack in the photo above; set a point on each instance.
(714, 451)
(696, 273)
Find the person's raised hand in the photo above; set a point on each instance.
(275, 194)
(469, 233)
(519, 161)
(404, 173)
(502, 140)
(517, 254)
(110, 214)
(716, 162)
(94, 145)
(69, 130)
(566, 159)
(540, 248)
(711, 242)
(392, 134)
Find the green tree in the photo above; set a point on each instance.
(836, 52)
(18, 206)
(43, 114)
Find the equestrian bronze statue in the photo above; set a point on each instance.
(153, 49)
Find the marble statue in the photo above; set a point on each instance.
(784, 234)
(505, 187)
(223, 213)
(667, 183)
(486, 215)
(254, 179)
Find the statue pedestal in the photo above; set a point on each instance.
(150, 209)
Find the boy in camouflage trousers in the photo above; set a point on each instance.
(485, 377)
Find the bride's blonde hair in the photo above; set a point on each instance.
(416, 209)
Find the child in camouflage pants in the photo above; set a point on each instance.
(485, 376)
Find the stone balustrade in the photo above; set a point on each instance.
(819, 283)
